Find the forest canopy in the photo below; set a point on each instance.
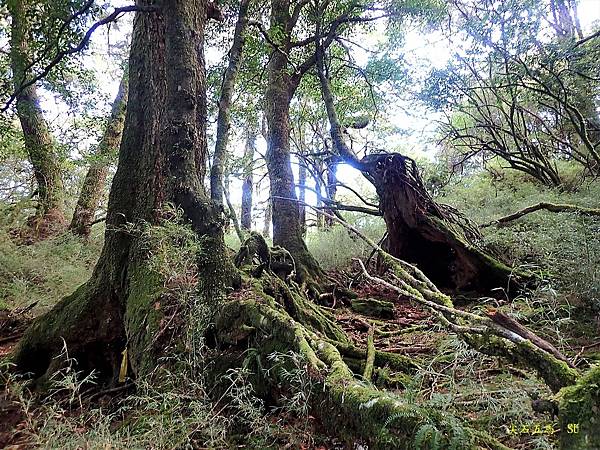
(300, 224)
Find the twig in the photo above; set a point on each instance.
(110, 391)
(11, 337)
(72, 50)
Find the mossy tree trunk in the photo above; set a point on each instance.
(94, 183)
(280, 90)
(39, 144)
(161, 161)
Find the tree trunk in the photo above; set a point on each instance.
(318, 167)
(223, 120)
(280, 89)
(434, 237)
(332, 165)
(232, 215)
(248, 183)
(39, 144)
(302, 196)
(268, 218)
(95, 179)
(161, 156)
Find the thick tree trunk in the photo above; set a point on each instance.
(248, 183)
(434, 237)
(223, 119)
(161, 156)
(280, 89)
(95, 179)
(39, 144)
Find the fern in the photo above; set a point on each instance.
(428, 437)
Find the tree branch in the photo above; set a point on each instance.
(72, 50)
(552, 207)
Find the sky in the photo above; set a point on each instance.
(420, 49)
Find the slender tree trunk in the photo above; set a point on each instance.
(332, 165)
(268, 219)
(302, 196)
(39, 144)
(280, 89)
(223, 120)
(319, 188)
(232, 215)
(161, 158)
(95, 179)
(248, 183)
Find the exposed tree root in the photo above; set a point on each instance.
(579, 413)
(351, 409)
(368, 372)
(552, 207)
(482, 332)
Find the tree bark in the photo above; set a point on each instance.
(161, 156)
(39, 144)
(332, 165)
(280, 90)
(223, 119)
(232, 215)
(95, 179)
(248, 183)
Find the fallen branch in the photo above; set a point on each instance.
(552, 207)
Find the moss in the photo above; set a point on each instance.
(85, 324)
(352, 410)
(579, 410)
(143, 314)
(383, 420)
(556, 373)
(373, 307)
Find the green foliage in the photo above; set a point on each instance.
(564, 248)
(335, 248)
(46, 271)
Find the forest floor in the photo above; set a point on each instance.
(486, 392)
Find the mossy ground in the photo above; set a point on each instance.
(445, 376)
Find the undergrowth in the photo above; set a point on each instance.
(46, 271)
(562, 248)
